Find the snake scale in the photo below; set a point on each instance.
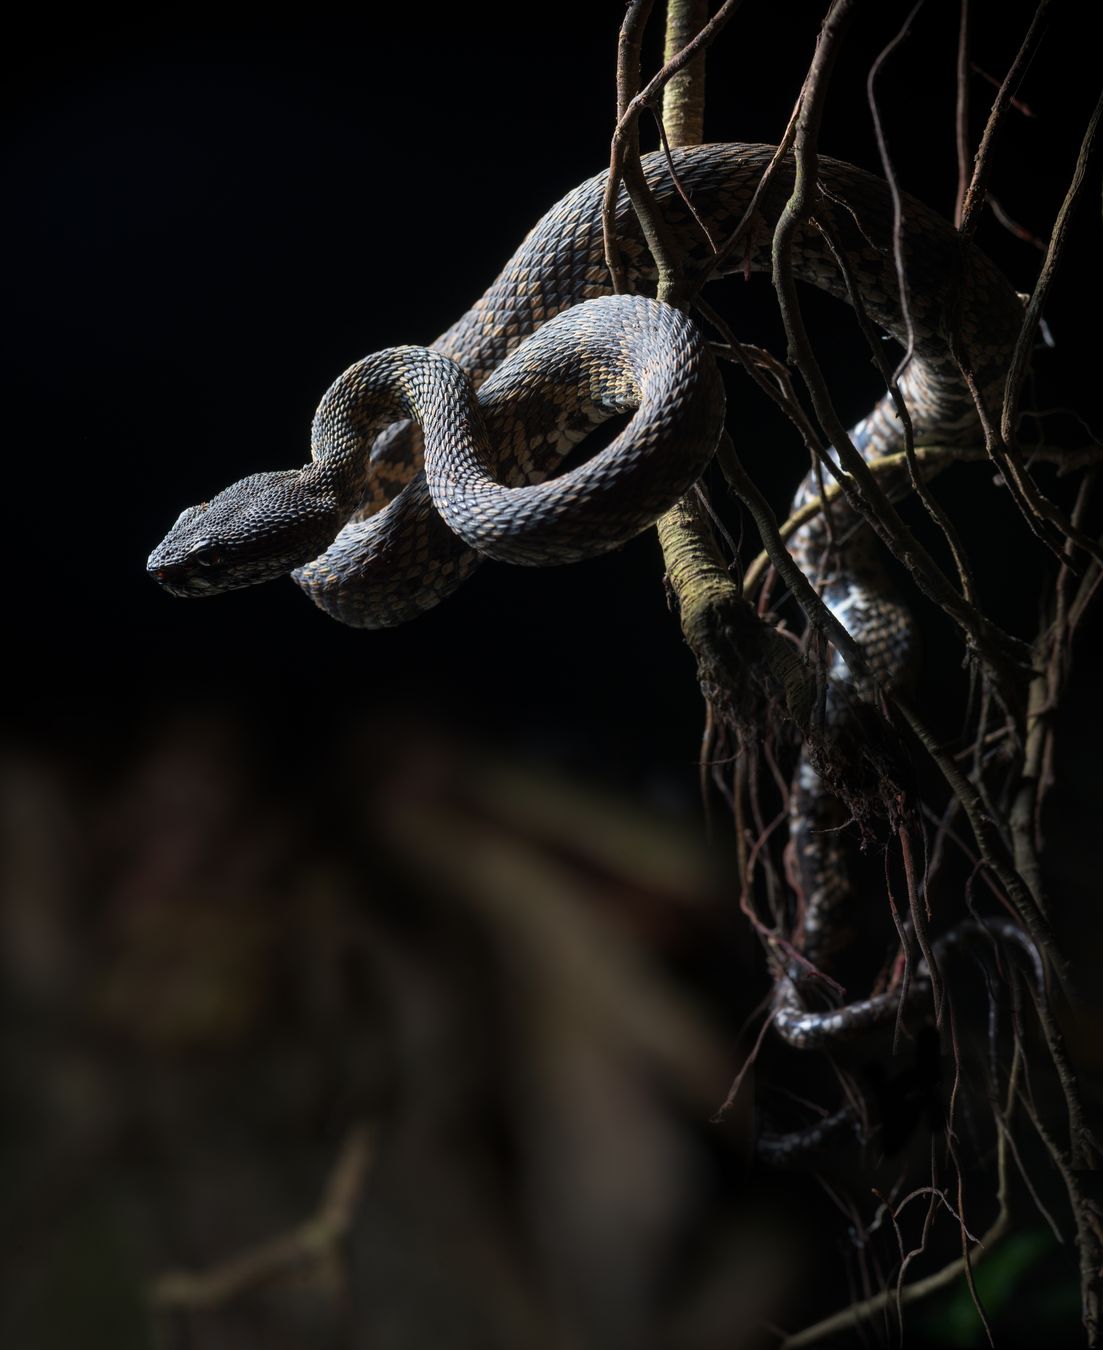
(376, 528)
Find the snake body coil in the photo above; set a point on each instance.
(363, 533)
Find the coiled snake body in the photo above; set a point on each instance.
(373, 539)
(374, 534)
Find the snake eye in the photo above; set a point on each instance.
(210, 555)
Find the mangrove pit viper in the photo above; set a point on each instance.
(373, 538)
(374, 533)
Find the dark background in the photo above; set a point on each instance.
(211, 217)
(215, 218)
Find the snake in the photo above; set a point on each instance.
(375, 532)
(426, 460)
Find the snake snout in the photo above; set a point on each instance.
(176, 578)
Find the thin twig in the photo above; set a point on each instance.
(315, 1245)
(894, 187)
(885, 464)
(866, 1309)
(993, 646)
(631, 101)
(961, 112)
(1033, 314)
(982, 165)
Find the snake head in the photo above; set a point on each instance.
(255, 530)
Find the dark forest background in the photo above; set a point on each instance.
(267, 878)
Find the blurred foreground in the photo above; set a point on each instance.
(408, 1043)
(477, 990)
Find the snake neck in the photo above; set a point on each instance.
(340, 478)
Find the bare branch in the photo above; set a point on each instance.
(888, 464)
(1038, 296)
(961, 111)
(982, 165)
(314, 1246)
